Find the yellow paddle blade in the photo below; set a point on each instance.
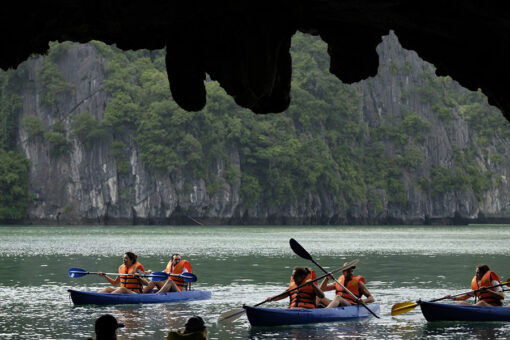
(403, 307)
(507, 282)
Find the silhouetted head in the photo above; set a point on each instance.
(106, 327)
(194, 324)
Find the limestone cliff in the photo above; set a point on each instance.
(85, 185)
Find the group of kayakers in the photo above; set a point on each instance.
(351, 290)
(303, 290)
(132, 277)
(310, 295)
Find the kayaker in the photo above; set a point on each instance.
(194, 329)
(355, 284)
(484, 277)
(304, 297)
(128, 284)
(177, 266)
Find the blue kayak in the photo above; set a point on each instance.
(449, 312)
(284, 316)
(95, 298)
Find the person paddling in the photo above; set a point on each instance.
(177, 266)
(304, 297)
(355, 284)
(484, 277)
(129, 284)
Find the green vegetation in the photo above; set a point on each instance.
(87, 129)
(13, 185)
(57, 139)
(321, 145)
(34, 127)
(14, 166)
(318, 145)
(53, 83)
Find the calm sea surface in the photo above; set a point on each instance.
(243, 265)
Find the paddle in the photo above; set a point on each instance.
(300, 251)
(234, 314)
(188, 277)
(156, 276)
(404, 307)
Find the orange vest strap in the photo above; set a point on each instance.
(352, 286)
(130, 282)
(303, 297)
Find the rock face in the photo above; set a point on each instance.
(85, 185)
(245, 46)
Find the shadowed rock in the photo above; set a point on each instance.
(245, 45)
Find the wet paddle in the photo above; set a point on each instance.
(156, 276)
(234, 314)
(300, 251)
(407, 306)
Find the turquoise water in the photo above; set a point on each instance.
(243, 265)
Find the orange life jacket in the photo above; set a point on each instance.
(130, 282)
(486, 281)
(178, 269)
(352, 286)
(303, 297)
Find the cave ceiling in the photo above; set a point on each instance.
(244, 45)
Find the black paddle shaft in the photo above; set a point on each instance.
(300, 251)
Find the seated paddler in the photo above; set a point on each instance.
(176, 266)
(355, 285)
(483, 291)
(303, 291)
(130, 278)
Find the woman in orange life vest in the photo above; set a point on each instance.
(484, 277)
(304, 297)
(176, 265)
(355, 284)
(128, 284)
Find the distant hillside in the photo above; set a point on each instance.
(90, 136)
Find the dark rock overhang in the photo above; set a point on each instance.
(245, 45)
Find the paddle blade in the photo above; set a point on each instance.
(189, 277)
(231, 315)
(76, 272)
(299, 250)
(158, 276)
(403, 307)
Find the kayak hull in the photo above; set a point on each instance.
(450, 312)
(284, 316)
(96, 298)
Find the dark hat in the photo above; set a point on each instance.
(195, 323)
(107, 323)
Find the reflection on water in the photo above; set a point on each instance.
(464, 330)
(344, 330)
(242, 265)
